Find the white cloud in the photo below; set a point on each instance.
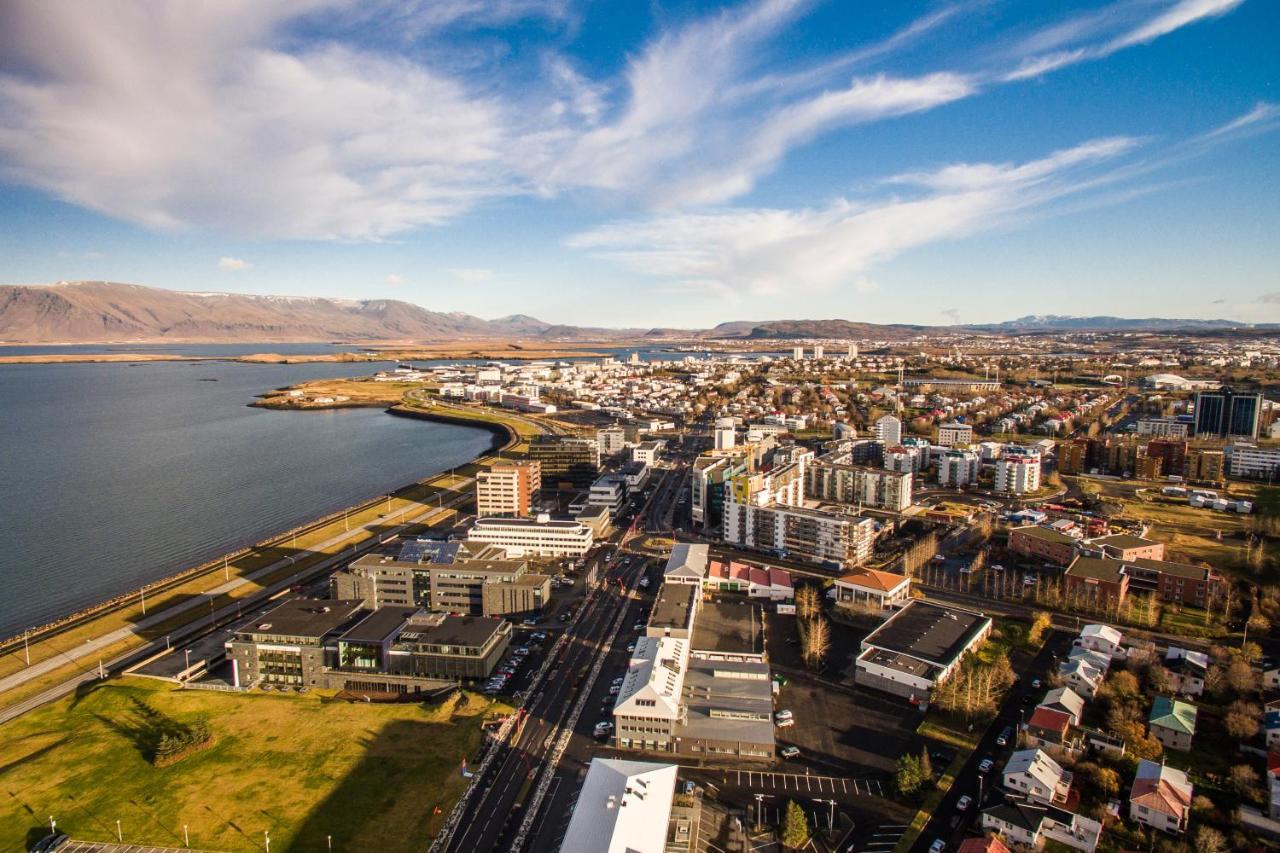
(769, 251)
(233, 264)
(1261, 116)
(472, 275)
(1175, 17)
(395, 278)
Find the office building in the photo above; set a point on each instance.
(541, 536)
(1252, 462)
(610, 492)
(917, 647)
(566, 462)
(626, 807)
(508, 488)
(1225, 413)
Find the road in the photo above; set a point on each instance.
(88, 653)
(495, 805)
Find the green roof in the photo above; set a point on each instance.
(1173, 714)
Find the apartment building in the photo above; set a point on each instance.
(540, 536)
(508, 488)
(955, 435)
(1164, 428)
(611, 441)
(958, 468)
(888, 431)
(827, 480)
(1248, 461)
(1017, 475)
(803, 534)
(1205, 465)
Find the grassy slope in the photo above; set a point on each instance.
(297, 766)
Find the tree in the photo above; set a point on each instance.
(1159, 679)
(817, 641)
(926, 768)
(807, 603)
(1240, 676)
(795, 827)
(908, 775)
(1041, 623)
(1241, 721)
(1244, 780)
(1209, 840)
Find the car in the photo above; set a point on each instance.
(1029, 581)
(784, 714)
(617, 680)
(529, 623)
(631, 647)
(639, 626)
(1037, 683)
(784, 724)
(1005, 736)
(964, 803)
(789, 752)
(614, 689)
(603, 726)
(986, 765)
(644, 583)
(50, 842)
(997, 568)
(937, 846)
(520, 650)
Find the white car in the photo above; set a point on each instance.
(964, 803)
(937, 846)
(783, 715)
(603, 726)
(789, 752)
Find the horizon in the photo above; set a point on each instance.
(664, 166)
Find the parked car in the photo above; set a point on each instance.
(603, 726)
(1036, 683)
(784, 714)
(963, 803)
(937, 846)
(789, 752)
(986, 765)
(1005, 736)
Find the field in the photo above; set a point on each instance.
(359, 392)
(299, 767)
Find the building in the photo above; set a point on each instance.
(918, 647)
(647, 452)
(1160, 797)
(687, 564)
(1187, 670)
(955, 435)
(1126, 547)
(803, 534)
(1073, 456)
(1043, 543)
(1172, 722)
(871, 588)
(1248, 461)
(623, 807)
(1224, 413)
(904, 460)
(449, 577)
(566, 462)
(533, 537)
(343, 645)
(826, 480)
(1017, 475)
(1164, 428)
(1082, 675)
(1097, 578)
(1035, 776)
(1205, 465)
(888, 431)
(757, 582)
(508, 488)
(1032, 826)
(958, 468)
(1048, 728)
(708, 485)
(612, 441)
(1103, 639)
(610, 492)
(1066, 700)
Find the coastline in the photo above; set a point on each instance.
(494, 350)
(503, 437)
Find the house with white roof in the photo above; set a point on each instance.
(1101, 638)
(623, 807)
(1160, 797)
(1082, 676)
(687, 564)
(1032, 774)
(1066, 700)
(1187, 670)
(648, 705)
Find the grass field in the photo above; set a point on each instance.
(299, 767)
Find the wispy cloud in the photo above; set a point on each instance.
(1263, 116)
(233, 264)
(764, 251)
(472, 275)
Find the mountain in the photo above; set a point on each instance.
(1061, 323)
(99, 311)
(799, 329)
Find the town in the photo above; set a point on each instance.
(852, 595)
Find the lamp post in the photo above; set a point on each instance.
(26, 650)
(266, 839)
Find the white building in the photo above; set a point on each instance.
(799, 533)
(1017, 475)
(797, 353)
(958, 468)
(889, 430)
(1251, 461)
(533, 537)
(610, 492)
(1031, 773)
(1160, 797)
(724, 438)
(1103, 639)
(817, 352)
(647, 709)
(1163, 428)
(687, 564)
(611, 440)
(905, 460)
(623, 807)
(955, 435)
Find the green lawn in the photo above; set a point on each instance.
(300, 767)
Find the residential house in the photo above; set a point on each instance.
(1033, 774)
(1173, 722)
(1047, 727)
(1187, 670)
(1271, 724)
(1160, 797)
(1067, 700)
(1101, 638)
(1032, 825)
(1083, 676)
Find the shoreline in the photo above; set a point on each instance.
(502, 437)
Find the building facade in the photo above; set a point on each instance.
(508, 488)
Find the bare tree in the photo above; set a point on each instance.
(817, 641)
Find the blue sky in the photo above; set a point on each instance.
(654, 164)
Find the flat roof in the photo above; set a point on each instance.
(1096, 568)
(1035, 531)
(673, 606)
(378, 625)
(1181, 570)
(929, 632)
(454, 630)
(304, 617)
(734, 626)
(1123, 540)
(900, 663)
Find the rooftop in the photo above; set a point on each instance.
(1035, 531)
(379, 625)
(732, 626)
(873, 579)
(1096, 568)
(929, 632)
(304, 617)
(453, 630)
(1173, 714)
(674, 606)
(623, 806)
(688, 560)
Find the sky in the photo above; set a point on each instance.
(665, 163)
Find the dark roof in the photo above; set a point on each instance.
(1123, 541)
(928, 631)
(378, 625)
(1098, 568)
(671, 608)
(455, 630)
(305, 617)
(1023, 815)
(729, 628)
(1181, 570)
(1037, 532)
